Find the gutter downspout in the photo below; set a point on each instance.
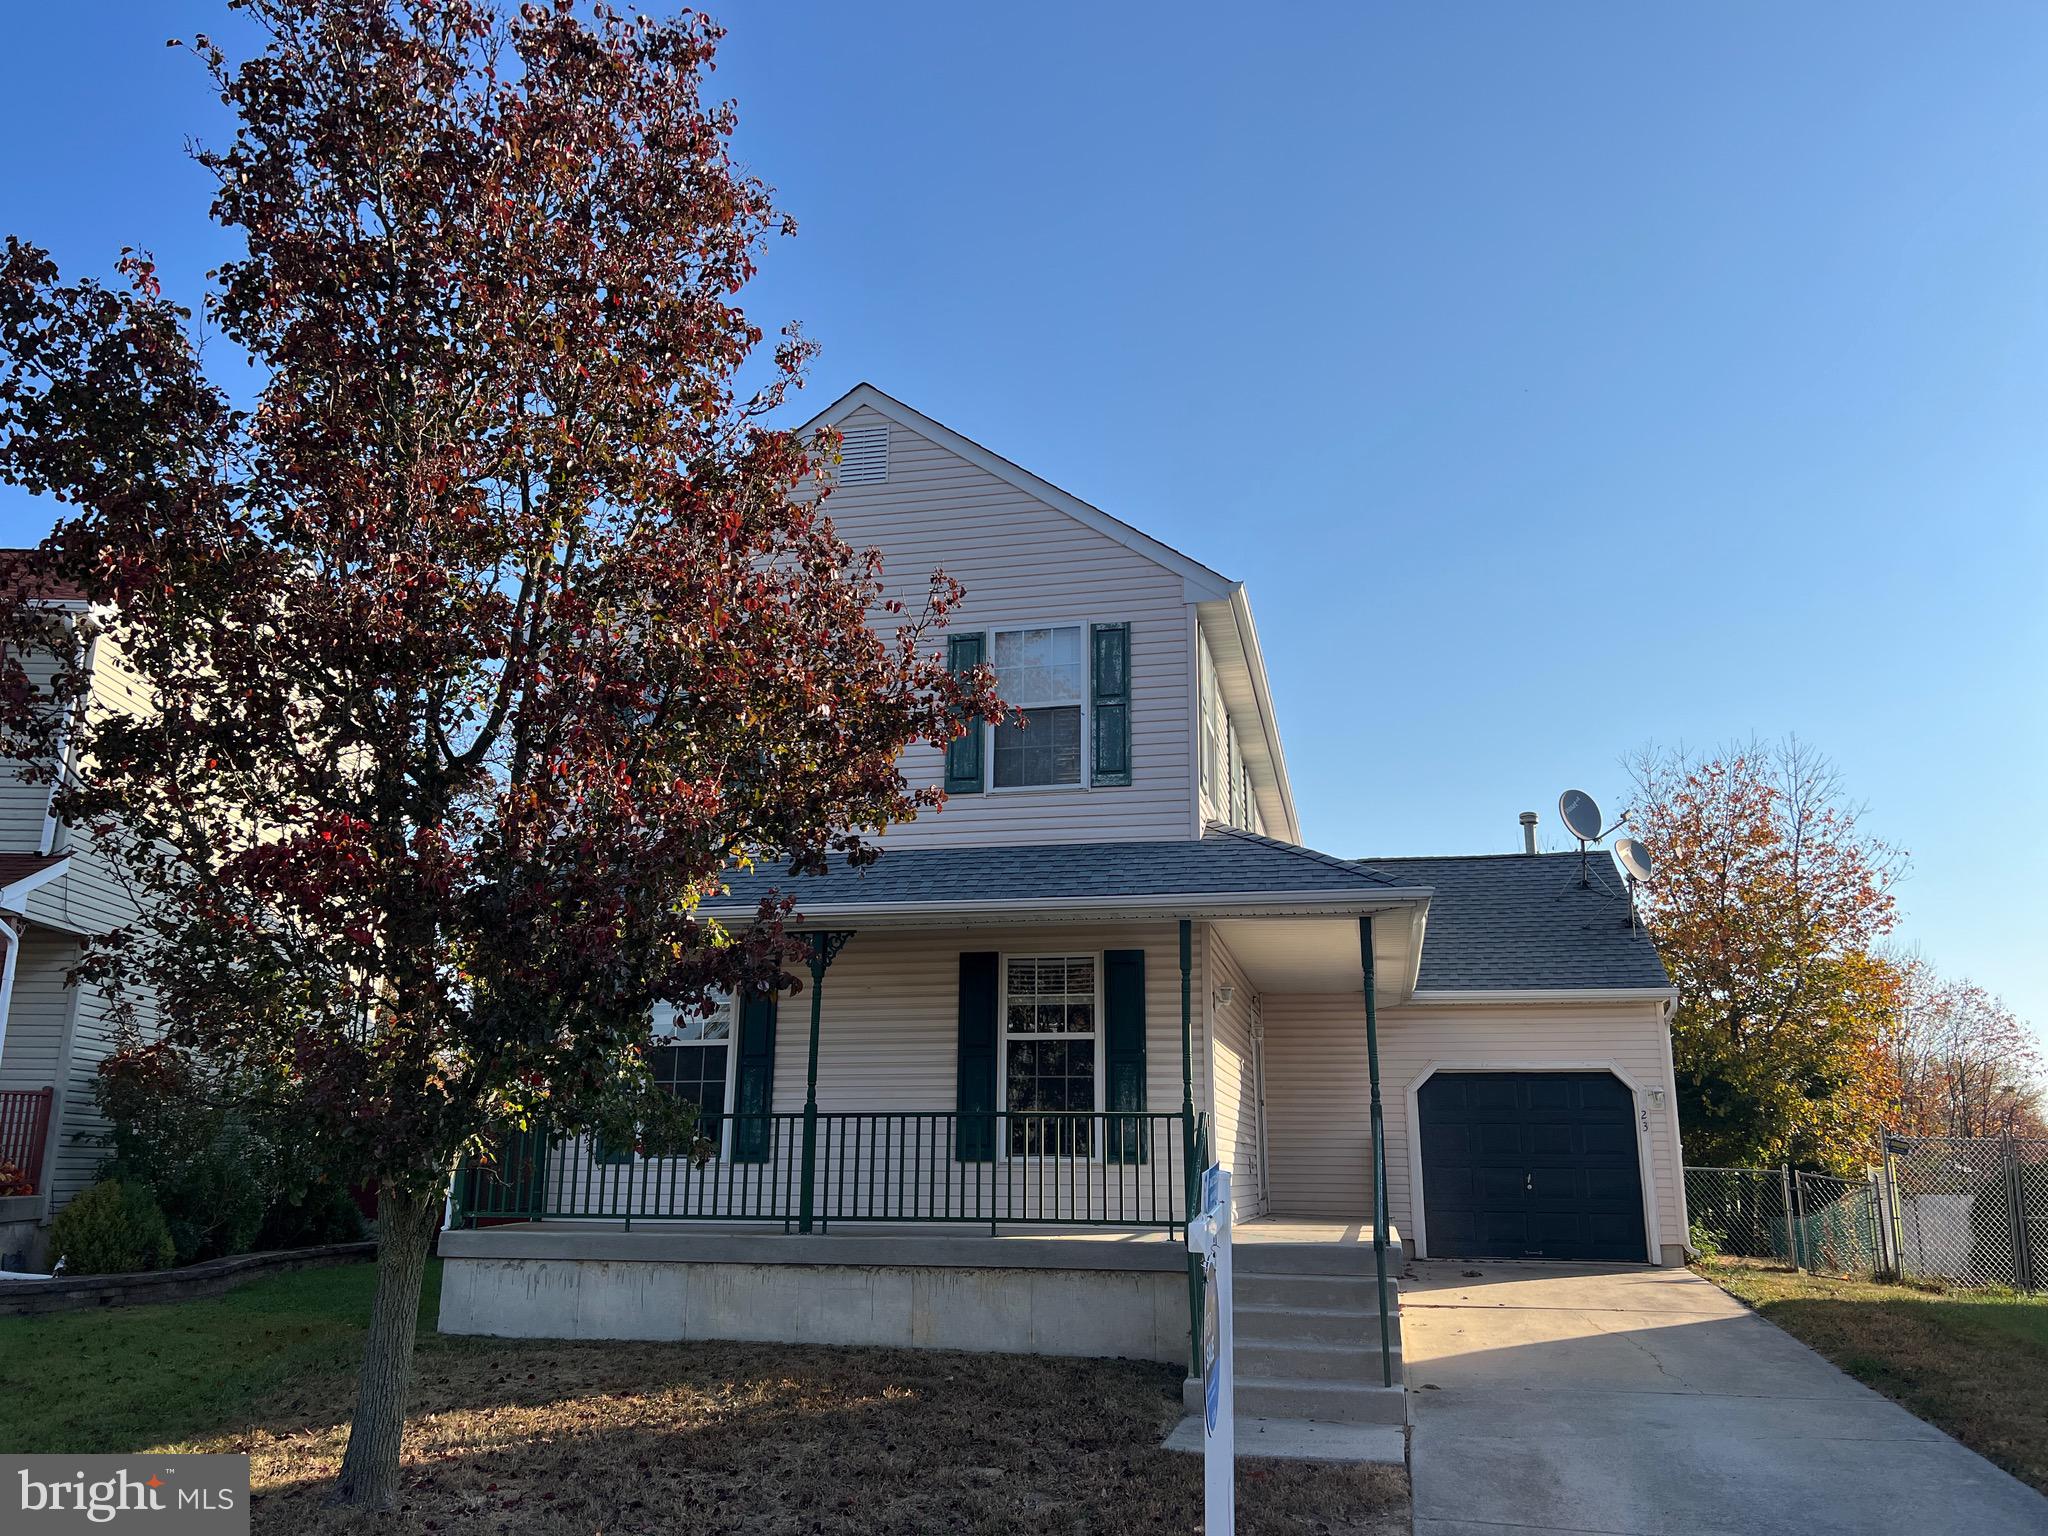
(1379, 1148)
(11, 936)
(1190, 1144)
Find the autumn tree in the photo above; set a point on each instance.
(499, 625)
(1963, 1062)
(1768, 908)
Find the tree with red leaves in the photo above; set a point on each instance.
(500, 626)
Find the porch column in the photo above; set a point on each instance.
(1192, 1149)
(825, 949)
(1379, 1144)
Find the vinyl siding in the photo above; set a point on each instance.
(1023, 561)
(90, 897)
(888, 1042)
(1318, 1122)
(1318, 1104)
(23, 805)
(1234, 1101)
(35, 1013)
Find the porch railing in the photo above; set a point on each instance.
(1073, 1168)
(24, 1123)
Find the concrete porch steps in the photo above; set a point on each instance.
(1330, 1325)
(1383, 1445)
(1312, 1360)
(1307, 1328)
(1328, 1402)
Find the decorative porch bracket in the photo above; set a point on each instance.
(1379, 1145)
(825, 947)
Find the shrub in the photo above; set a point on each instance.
(1704, 1241)
(220, 1151)
(13, 1181)
(112, 1229)
(179, 1130)
(322, 1213)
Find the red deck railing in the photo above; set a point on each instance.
(24, 1122)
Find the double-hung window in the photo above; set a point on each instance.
(1050, 1033)
(1042, 673)
(692, 1059)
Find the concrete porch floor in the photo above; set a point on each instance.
(1348, 1244)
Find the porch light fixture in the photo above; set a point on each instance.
(1656, 1098)
(1224, 995)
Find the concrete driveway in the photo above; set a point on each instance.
(1585, 1398)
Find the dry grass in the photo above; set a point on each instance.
(513, 1438)
(555, 1439)
(1974, 1363)
(545, 1439)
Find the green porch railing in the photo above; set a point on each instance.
(1071, 1168)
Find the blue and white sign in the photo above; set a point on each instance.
(1209, 1238)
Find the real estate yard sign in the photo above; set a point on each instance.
(1209, 1236)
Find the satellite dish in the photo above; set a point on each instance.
(1634, 856)
(1581, 815)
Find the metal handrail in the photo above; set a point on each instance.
(1103, 1168)
(24, 1126)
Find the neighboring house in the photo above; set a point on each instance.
(1107, 959)
(56, 890)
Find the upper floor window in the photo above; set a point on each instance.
(1044, 674)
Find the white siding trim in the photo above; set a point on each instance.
(1672, 1129)
(13, 896)
(1644, 1163)
(1440, 997)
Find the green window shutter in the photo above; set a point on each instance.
(963, 754)
(1123, 1035)
(753, 1095)
(974, 1134)
(1110, 654)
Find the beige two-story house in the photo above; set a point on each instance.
(1110, 959)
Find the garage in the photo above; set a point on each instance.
(1530, 1165)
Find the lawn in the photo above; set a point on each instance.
(515, 1437)
(1974, 1363)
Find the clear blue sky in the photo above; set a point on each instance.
(1561, 378)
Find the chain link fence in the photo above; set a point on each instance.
(1969, 1211)
(1810, 1220)
(1741, 1212)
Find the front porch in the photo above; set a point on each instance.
(1016, 1065)
(1085, 1291)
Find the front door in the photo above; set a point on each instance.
(1531, 1165)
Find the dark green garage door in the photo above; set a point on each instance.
(1530, 1165)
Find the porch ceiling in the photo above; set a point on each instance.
(1312, 954)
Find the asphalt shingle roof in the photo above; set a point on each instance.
(1225, 862)
(1513, 920)
(1496, 921)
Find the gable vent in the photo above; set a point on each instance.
(864, 456)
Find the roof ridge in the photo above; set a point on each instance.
(1410, 858)
(1349, 866)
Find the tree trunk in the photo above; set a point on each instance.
(369, 1470)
